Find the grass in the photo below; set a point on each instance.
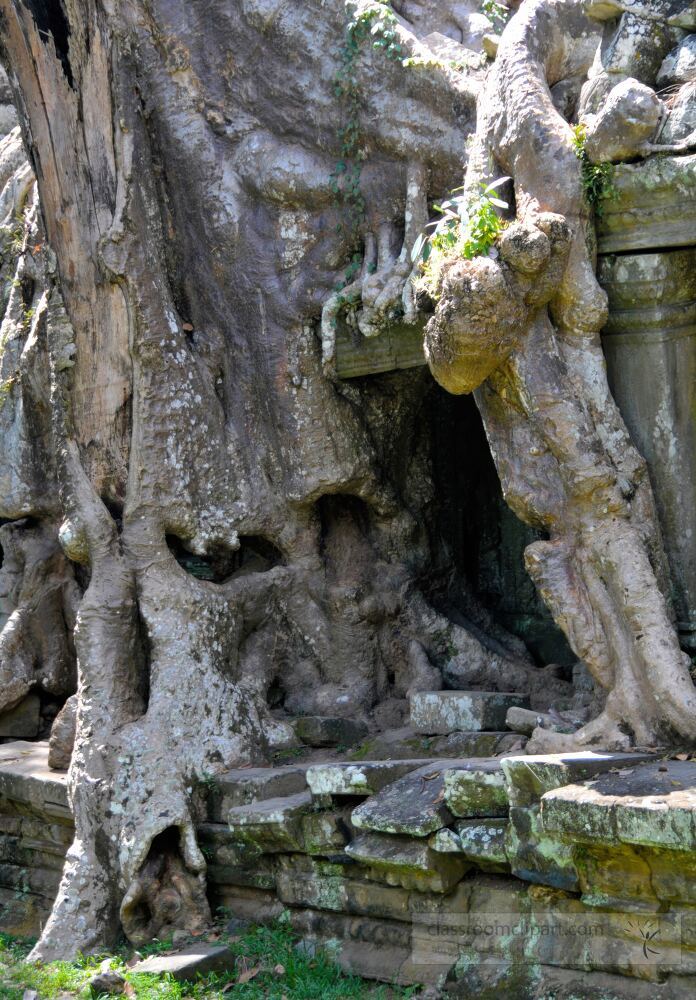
(266, 957)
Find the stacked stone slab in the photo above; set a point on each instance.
(36, 830)
(481, 873)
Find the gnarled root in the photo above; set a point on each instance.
(565, 460)
(165, 895)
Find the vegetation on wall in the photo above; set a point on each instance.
(467, 228)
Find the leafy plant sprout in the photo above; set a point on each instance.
(497, 12)
(468, 228)
(597, 178)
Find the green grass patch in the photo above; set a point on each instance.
(267, 958)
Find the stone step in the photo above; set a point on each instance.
(414, 805)
(407, 861)
(25, 777)
(651, 805)
(364, 778)
(478, 840)
(339, 888)
(528, 777)
(536, 854)
(245, 785)
(272, 825)
(438, 712)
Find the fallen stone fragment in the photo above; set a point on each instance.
(327, 731)
(437, 712)
(198, 960)
(62, 739)
(108, 981)
(476, 788)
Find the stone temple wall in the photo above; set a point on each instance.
(572, 873)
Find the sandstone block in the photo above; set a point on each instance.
(363, 778)
(327, 731)
(476, 789)
(243, 786)
(437, 712)
(479, 840)
(271, 825)
(407, 856)
(190, 963)
(414, 805)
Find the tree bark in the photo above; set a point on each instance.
(565, 459)
(183, 153)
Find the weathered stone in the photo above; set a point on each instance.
(642, 805)
(108, 981)
(329, 889)
(325, 832)
(405, 744)
(447, 711)
(525, 721)
(253, 784)
(479, 840)
(259, 906)
(680, 13)
(476, 789)
(399, 857)
(369, 947)
(414, 805)
(62, 738)
(25, 778)
(271, 825)
(527, 778)
(364, 778)
(680, 65)
(681, 122)
(536, 854)
(627, 120)
(653, 204)
(328, 731)
(198, 960)
(23, 721)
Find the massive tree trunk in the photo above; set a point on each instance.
(184, 152)
(524, 333)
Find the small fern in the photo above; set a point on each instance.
(597, 178)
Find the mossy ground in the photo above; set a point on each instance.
(284, 973)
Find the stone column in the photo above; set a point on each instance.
(650, 346)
